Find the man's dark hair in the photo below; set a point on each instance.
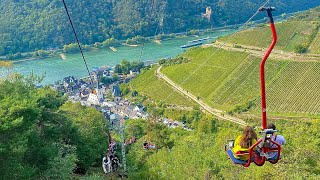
(271, 126)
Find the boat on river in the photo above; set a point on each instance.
(113, 48)
(63, 56)
(193, 43)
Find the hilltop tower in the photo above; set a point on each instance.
(208, 13)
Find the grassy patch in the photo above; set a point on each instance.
(315, 45)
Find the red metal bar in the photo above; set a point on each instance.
(262, 79)
(250, 153)
(279, 149)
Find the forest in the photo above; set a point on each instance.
(43, 136)
(31, 25)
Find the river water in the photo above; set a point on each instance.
(56, 69)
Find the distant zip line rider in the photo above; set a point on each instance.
(106, 164)
(244, 142)
(145, 145)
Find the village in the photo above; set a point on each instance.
(106, 96)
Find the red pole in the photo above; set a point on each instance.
(264, 59)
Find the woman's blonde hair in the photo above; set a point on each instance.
(248, 135)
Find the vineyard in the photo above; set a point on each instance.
(315, 46)
(243, 85)
(296, 90)
(209, 76)
(231, 79)
(148, 84)
(290, 35)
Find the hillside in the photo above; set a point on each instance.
(229, 80)
(302, 31)
(29, 25)
(45, 137)
(148, 84)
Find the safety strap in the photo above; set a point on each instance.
(274, 140)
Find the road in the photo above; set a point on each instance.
(216, 112)
(259, 52)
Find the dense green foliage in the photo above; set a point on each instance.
(173, 61)
(199, 154)
(28, 25)
(42, 136)
(125, 67)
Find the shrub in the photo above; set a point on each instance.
(300, 48)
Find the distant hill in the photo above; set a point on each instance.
(28, 25)
(229, 80)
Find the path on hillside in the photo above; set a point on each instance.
(259, 52)
(216, 112)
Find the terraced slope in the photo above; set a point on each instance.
(207, 77)
(302, 30)
(231, 79)
(296, 89)
(315, 45)
(290, 35)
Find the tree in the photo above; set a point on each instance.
(117, 69)
(115, 78)
(62, 166)
(42, 135)
(300, 48)
(31, 124)
(89, 123)
(71, 48)
(121, 19)
(110, 42)
(106, 80)
(125, 66)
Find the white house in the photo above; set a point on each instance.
(138, 108)
(95, 97)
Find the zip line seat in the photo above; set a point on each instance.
(235, 160)
(261, 154)
(228, 149)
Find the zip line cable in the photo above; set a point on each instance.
(75, 34)
(239, 29)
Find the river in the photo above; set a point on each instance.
(56, 69)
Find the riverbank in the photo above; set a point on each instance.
(55, 68)
(56, 52)
(49, 53)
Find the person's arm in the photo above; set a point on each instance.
(283, 141)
